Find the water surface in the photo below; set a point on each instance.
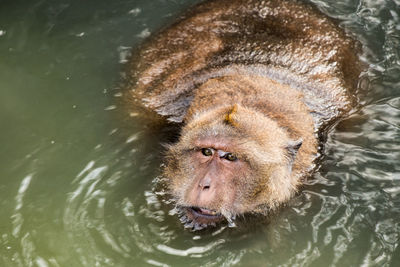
(78, 183)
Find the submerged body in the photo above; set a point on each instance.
(254, 83)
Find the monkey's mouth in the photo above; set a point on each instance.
(198, 218)
(210, 214)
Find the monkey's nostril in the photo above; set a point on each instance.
(204, 186)
(205, 183)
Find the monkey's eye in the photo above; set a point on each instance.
(230, 157)
(207, 152)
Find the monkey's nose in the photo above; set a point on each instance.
(205, 183)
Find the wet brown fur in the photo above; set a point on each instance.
(250, 77)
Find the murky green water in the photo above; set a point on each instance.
(78, 181)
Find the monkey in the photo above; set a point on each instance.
(255, 85)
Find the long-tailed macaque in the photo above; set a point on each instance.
(254, 85)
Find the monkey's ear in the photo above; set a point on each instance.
(294, 146)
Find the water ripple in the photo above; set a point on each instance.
(193, 251)
(17, 218)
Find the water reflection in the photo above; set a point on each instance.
(193, 251)
(17, 217)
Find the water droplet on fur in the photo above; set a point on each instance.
(231, 223)
(188, 225)
(198, 227)
(183, 219)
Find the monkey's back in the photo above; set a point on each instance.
(287, 41)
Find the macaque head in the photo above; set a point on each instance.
(228, 162)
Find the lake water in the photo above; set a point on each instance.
(78, 181)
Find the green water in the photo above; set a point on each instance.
(78, 179)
